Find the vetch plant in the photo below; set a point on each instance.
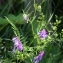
(17, 43)
(38, 35)
(26, 17)
(43, 34)
(39, 57)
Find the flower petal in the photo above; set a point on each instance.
(26, 17)
(43, 34)
(17, 43)
(39, 57)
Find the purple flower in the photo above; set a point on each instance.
(17, 44)
(43, 34)
(39, 57)
(26, 17)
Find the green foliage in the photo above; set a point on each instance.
(13, 25)
(15, 19)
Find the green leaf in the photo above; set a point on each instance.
(15, 19)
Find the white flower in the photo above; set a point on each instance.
(26, 17)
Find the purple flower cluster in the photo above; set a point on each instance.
(43, 34)
(17, 44)
(39, 57)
